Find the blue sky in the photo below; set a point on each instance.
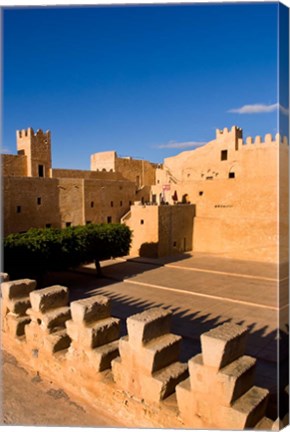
(146, 81)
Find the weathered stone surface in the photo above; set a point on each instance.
(236, 379)
(18, 306)
(147, 325)
(57, 342)
(96, 334)
(4, 277)
(49, 298)
(223, 344)
(228, 384)
(150, 388)
(52, 320)
(155, 355)
(98, 359)
(169, 377)
(15, 325)
(247, 411)
(90, 309)
(265, 424)
(17, 289)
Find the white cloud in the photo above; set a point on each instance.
(259, 108)
(181, 145)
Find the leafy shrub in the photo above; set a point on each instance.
(40, 250)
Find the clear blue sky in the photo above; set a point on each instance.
(142, 80)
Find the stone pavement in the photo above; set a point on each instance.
(203, 291)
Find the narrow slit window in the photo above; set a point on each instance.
(38, 200)
(224, 155)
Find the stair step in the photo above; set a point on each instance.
(251, 406)
(57, 341)
(165, 350)
(264, 424)
(170, 376)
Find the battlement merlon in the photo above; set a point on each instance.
(29, 132)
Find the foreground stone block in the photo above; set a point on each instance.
(220, 390)
(148, 368)
(49, 298)
(223, 344)
(94, 334)
(49, 313)
(90, 309)
(4, 277)
(247, 411)
(150, 324)
(15, 325)
(17, 289)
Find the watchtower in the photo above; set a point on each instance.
(37, 148)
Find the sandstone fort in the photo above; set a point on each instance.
(228, 197)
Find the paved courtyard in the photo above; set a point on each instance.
(202, 291)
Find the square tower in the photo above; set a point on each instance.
(37, 148)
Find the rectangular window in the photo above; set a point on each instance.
(130, 203)
(200, 193)
(40, 171)
(92, 204)
(121, 203)
(68, 224)
(48, 226)
(109, 219)
(21, 152)
(38, 201)
(112, 203)
(88, 222)
(142, 221)
(224, 155)
(231, 175)
(18, 209)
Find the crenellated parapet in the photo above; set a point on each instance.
(77, 346)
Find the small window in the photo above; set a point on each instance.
(18, 209)
(200, 193)
(121, 203)
(40, 171)
(112, 203)
(47, 225)
(109, 219)
(92, 204)
(231, 175)
(21, 152)
(224, 155)
(142, 221)
(88, 222)
(38, 201)
(174, 244)
(68, 224)
(130, 203)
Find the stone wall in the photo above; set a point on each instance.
(14, 165)
(30, 202)
(139, 378)
(160, 230)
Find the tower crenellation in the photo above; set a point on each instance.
(37, 148)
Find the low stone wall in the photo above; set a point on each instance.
(137, 379)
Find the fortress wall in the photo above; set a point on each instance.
(105, 199)
(23, 210)
(244, 238)
(104, 161)
(143, 221)
(176, 226)
(138, 171)
(77, 346)
(83, 174)
(70, 196)
(14, 165)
